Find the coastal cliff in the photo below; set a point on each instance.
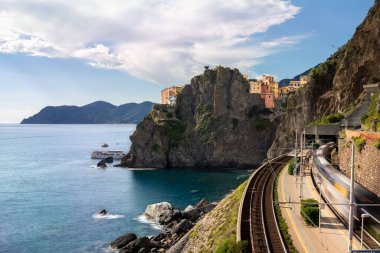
(216, 123)
(336, 85)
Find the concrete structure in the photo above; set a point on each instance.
(168, 95)
(367, 161)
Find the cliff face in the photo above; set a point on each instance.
(336, 85)
(217, 123)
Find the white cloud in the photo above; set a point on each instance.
(163, 41)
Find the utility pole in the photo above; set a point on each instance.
(301, 165)
(295, 158)
(351, 217)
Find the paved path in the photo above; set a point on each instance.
(333, 236)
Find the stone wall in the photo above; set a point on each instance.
(367, 164)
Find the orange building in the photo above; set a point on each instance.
(168, 95)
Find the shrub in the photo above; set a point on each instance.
(169, 115)
(230, 245)
(282, 223)
(310, 211)
(234, 123)
(261, 124)
(293, 163)
(359, 143)
(377, 144)
(363, 118)
(329, 119)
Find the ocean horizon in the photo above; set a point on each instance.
(51, 189)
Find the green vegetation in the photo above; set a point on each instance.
(342, 134)
(176, 130)
(372, 232)
(261, 124)
(324, 73)
(230, 245)
(332, 119)
(377, 144)
(310, 211)
(291, 166)
(372, 114)
(217, 231)
(359, 143)
(282, 224)
(204, 119)
(234, 123)
(169, 115)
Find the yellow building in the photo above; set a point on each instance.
(255, 86)
(304, 80)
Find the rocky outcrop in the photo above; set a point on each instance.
(336, 85)
(217, 123)
(174, 224)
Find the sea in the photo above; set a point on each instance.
(51, 190)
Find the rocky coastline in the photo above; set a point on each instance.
(216, 123)
(174, 222)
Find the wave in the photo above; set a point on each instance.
(107, 216)
(194, 191)
(143, 219)
(242, 176)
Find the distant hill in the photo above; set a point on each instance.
(285, 82)
(99, 112)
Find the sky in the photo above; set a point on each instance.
(65, 52)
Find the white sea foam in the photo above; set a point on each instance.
(107, 216)
(194, 191)
(141, 169)
(143, 219)
(240, 176)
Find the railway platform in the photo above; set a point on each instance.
(333, 236)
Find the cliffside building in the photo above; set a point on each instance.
(168, 95)
(267, 87)
(293, 86)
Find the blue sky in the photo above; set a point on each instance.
(55, 53)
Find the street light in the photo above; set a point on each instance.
(364, 215)
(320, 205)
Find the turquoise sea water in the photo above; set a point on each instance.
(50, 189)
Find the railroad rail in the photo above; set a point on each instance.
(257, 221)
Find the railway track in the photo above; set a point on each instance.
(258, 222)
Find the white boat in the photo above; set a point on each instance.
(102, 154)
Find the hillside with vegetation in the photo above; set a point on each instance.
(336, 85)
(95, 113)
(216, 122)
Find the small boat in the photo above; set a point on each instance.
(103, 154)
(104, 145)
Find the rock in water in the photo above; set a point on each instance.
(103, 212)
(123, 241)
(159, 212)
(217, 123)
(101, 164)
(136, 245)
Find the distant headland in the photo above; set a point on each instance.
(98, 112)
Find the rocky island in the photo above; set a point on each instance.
(216, 122)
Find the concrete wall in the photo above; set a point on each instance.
(367, 164)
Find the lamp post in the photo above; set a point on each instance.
(364, 215)
(320, 205)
